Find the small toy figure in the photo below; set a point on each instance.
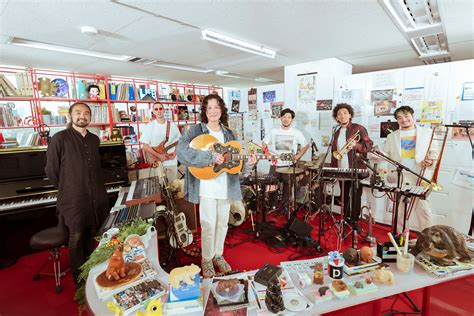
(93, 91)
(185, 274)
(318, 276)
(116, 266)
(153, 308)
(366, 255)
(274, 297)
(384, 276)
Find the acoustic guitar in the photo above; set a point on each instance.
(232, 152)
(160, 149)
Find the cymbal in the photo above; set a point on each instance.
(312, 164)
(289, 170)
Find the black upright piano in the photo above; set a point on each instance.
(28, 199)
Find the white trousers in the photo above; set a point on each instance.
(214, 218)
(422, 209)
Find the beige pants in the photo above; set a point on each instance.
(422, 208)
(214, 218)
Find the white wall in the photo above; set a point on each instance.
(444, 82)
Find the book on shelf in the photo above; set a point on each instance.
(135, 297)
(8, 116)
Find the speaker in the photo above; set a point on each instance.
(299, 227)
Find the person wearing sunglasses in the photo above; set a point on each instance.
(159, 138)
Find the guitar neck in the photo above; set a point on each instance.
(264, 157)
(170, 146)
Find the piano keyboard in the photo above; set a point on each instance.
(410, 190)
(121, 215)
(43, 199)
(344, 173)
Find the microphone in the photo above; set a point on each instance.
(314, 148)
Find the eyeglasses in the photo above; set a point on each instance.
(158, 109)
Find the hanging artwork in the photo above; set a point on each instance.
(323, 105)
(432, 112)
(269, 96)
(277, 107)
(383, 102)
(387, 128)
(235, 100)
(306, 91)
(236, 124)
(252, 102)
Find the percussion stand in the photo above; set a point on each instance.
(399, 192)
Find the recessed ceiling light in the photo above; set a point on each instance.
(89, 30)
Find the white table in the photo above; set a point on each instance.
(419, 278)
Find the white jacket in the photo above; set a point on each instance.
(393, 149)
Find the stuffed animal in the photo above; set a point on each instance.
(442, 243)
(116, 267)
(178, 187)
(384, 276)
(185, 274)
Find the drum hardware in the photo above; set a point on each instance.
(291, 171)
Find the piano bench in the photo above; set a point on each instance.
(51, 239)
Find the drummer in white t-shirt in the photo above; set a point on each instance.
(282, 140)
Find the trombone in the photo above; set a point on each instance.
(433, 184)
(338, 154)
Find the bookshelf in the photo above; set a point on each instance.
(36, 102)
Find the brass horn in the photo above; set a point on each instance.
(338, 154)
(433, 184)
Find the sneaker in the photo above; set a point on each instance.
(207, 269)
(223, 266)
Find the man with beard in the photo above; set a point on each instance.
(73, 167)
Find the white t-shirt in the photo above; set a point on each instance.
(341, 141)
(407, 148)
(215, 188)
(154, 133)
(282, 141)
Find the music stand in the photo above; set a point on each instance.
(398, 193)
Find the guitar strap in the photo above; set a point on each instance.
(168, 127)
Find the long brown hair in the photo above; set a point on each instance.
(224, 116)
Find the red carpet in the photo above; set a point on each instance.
(20, 295)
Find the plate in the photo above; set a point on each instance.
(232, 291)
(294, 302)
(62, 87)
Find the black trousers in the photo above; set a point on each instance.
(81, 244)
(352, 212)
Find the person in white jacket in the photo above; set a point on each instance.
(408, 145)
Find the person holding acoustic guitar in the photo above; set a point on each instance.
(214, 191)
(159, 138)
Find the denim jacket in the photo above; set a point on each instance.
(197, 158)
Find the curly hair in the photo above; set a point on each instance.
(342, 106)
(224, 116)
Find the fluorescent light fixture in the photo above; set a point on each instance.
(237, 43)
(63, 49)
(177, 66)
(260, 79)
(226, 74)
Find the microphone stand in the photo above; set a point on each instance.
(321, 183)
(398, 195)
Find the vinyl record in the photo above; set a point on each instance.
(294, 302)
